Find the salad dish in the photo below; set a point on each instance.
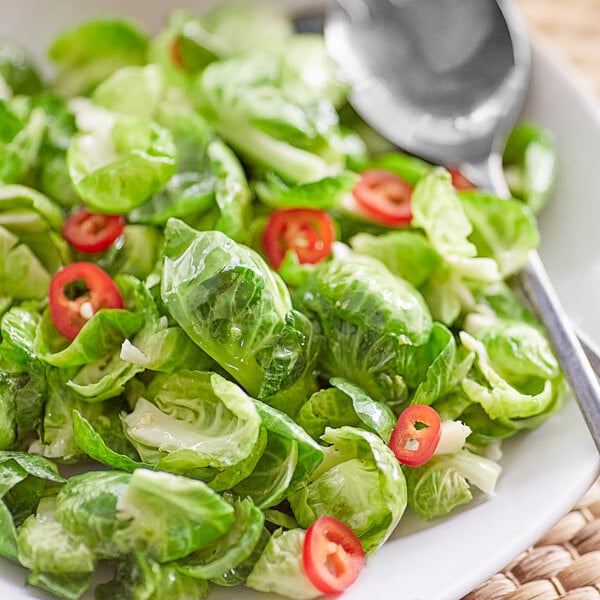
(245, 343)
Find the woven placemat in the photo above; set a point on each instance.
(573, 26)
(565, 563)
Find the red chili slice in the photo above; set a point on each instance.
(92, 232)
(416, 435)
(71, 314)
(332, 555)
(308, 232)
(384, 197)
(175, 53)
(460, 182)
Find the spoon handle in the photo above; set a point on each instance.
(581, 373)
(592, 351)
(568, 350)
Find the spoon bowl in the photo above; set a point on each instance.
(442, 79)
(446, 80)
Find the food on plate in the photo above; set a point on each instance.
(240, 335)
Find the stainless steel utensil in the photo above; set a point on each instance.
(446, 80)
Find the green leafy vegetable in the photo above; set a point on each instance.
(132, 90)
(17, 69)
(364, 315)
(445, 481)
(345, 404)
(88, 53)
(222, 560)
(31, 248)
(503, 229)
(240, 28)
(324, 193)
(438, 211)
(194, 422)
(45, 546)
(24, 479)
(232, 193)
(497, 396)
(235, 308)
(51, 174)
(21, 130)
(139, 577)
(117, 162)
(56, 431)
(530, 164)
(407, 167)
(92, 443)
(251, 105)
(86, 506)
(183, 514)
(279, 568)
(288, 459)
(360, 483)
(407, 253)
(65, 585)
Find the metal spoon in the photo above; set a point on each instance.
(446, 80)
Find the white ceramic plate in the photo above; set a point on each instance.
(545, 471)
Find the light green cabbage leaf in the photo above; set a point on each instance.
(88, 53)
(31, 246)
(444, 482)
(503, 229)
(21, 130)
(251, 105)
(345, 404)
(406, 253)
(194, 422)
(360, 483)
(498, 398)
(226, 298)
(280, 569)
(17, 69)
(117, 162)
(168, 516)
(289, 458)
(139, 577)
(364, 315)
(437, 210)
(224, 560)
(45, 546)
(530, 164)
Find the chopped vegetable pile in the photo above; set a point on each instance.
(239, 333)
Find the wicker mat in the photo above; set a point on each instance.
(574, 27)
(565, 563)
